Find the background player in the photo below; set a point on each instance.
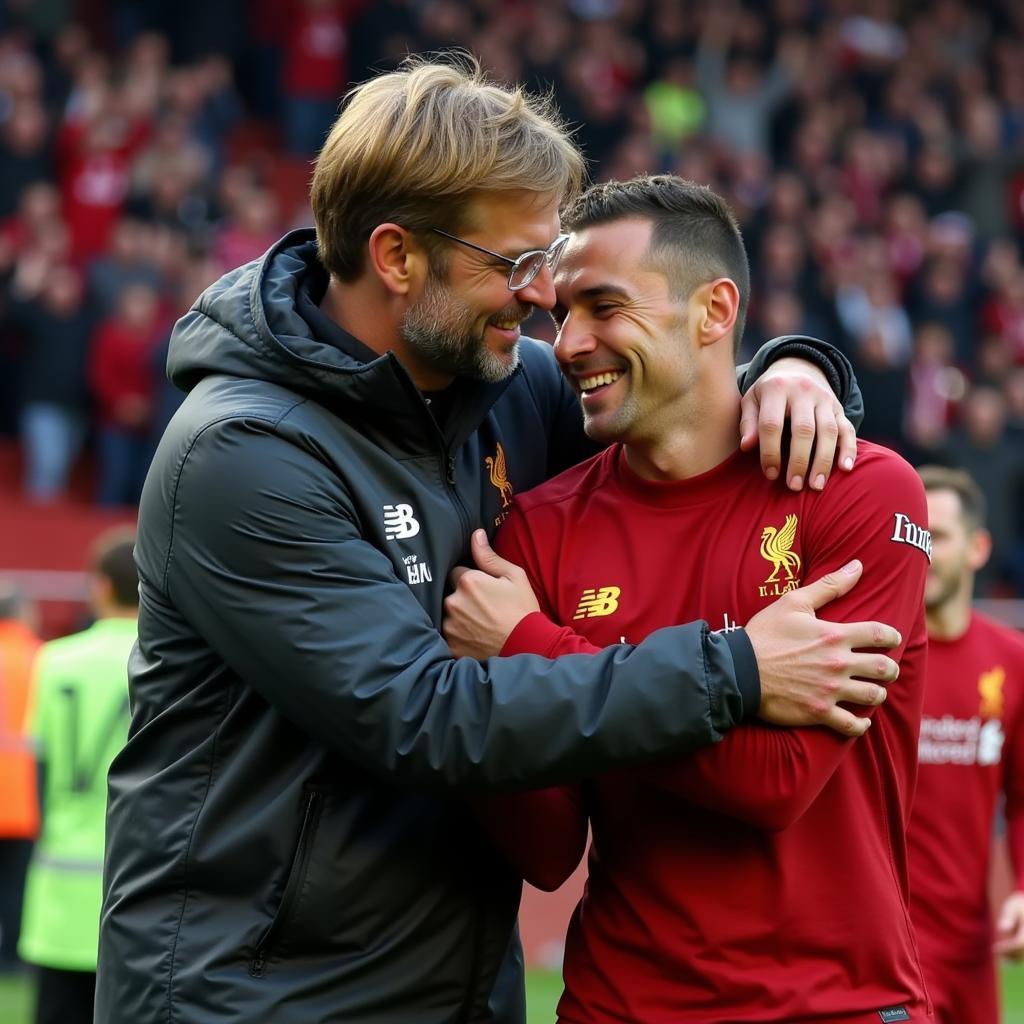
(971, 749)
(79, 719)
(763, 879)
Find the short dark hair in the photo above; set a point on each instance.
(945, 478)
(695, 235)
(113, 557)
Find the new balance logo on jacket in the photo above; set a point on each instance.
(399, 522)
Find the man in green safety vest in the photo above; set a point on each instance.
(78, 716)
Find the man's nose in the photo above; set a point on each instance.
(573, 340)
(541, 290)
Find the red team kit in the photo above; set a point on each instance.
(764, 878)
(971, 750)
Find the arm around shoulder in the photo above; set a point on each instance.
(269, 566)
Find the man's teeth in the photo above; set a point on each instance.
(589, 383)
(506, 325)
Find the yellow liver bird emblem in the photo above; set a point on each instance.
(499, 475)
(990, 686)
(777, 548)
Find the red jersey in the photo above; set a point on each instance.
(94, 184)
(764, 878)
(120, 367)
(316, 54)
(971, 749)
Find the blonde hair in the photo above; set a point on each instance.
(415, 146)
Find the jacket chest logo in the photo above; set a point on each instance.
(416, 571)
(497, 469)
(400, 523)
(777, 548)
(597, 601)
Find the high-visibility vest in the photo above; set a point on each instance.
(19, 802)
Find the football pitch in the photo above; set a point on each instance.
(542, 990)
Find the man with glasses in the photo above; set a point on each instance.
(286, 836)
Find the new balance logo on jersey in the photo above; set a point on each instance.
(399, 522)
(595, 602)
(906, 531)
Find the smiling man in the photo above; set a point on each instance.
(765, 878)
(282, 840)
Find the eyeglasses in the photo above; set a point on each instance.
(524, 268)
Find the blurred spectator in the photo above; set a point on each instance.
(127, 260)
(870, 311)
(121, 379)
(47, 304)
(249, 230)
(19, 815)
(740, 95)
(95, 152)
(25, 155)
(906, 235)
(315, 71)
(986, 164)
(992, 360)
(204, 97)
(1003, 315)
(936, 385)
(79, 720)
(982, 446)
(944, 295)
(36, 222)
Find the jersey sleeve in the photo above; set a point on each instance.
(769, 776)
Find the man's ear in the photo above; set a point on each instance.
(398, 261)
(979, 547)
(718, 306)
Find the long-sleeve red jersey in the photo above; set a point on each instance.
(764, 878)
(971, 749)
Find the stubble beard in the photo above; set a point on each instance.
(441, 330)
(949, 587)
(617, 427)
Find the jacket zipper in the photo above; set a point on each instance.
(456, 498)
(292, 886)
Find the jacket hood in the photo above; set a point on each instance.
(247, 324)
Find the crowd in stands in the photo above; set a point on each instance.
(873, 152)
